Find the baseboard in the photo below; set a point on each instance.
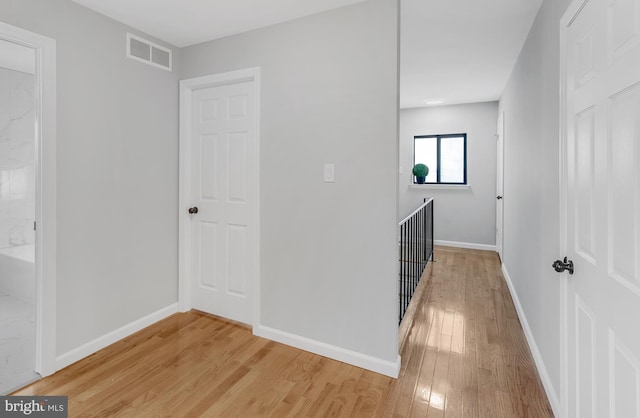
(468, 245)
(364, 361)
(554, 400)
(99, 343)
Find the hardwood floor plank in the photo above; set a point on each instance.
(456, 365)
(486, 393)
(419, 404)
(440, 384)
(453, 404)
(404, 394)
(464, 354)
(470, 372)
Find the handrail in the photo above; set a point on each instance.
(426, 202)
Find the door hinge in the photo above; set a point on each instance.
(34, 225)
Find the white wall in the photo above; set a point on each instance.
(329, 94)
(117, 172)
(461, 215)
(531, 242)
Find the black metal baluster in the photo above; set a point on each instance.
(409, 227)
(400, 274)
(407, 296)
(432, 231)
(416, 250)
(423, 247)
(419, 249)
(406, 267)
(402, 267)
(413, 258)
(424, 232)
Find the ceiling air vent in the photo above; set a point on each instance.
(148, 52)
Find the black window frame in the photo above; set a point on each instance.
(438, 139)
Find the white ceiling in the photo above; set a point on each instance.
(189, 22)
(459, 50)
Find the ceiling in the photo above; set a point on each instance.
(459, 50)
(189, 22)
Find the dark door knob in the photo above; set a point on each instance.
(193, 210)
(498, 197)
(561, 266)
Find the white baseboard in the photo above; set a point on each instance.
(99, 343)
(364, 361)
(554, 400)
(468, 245)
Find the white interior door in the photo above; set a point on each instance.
(500, 185)
(224, 161)
(601, 127)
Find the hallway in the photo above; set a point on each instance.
(465, 355)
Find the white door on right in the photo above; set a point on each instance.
(601, 127)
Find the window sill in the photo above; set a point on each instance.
(440, 186)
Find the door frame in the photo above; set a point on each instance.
(187, 87)
(500, 185)
(45, 211)
(567, 18)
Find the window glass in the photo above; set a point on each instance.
(445, 155)
(452, 160)
(427, 154)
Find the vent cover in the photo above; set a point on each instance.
(148, 52)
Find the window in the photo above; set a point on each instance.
(445, 155)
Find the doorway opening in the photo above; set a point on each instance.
(17, 215)
(27, 207)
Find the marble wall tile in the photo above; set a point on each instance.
(17, 158)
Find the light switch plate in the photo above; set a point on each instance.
(329, 173)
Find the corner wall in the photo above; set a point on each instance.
(461, 215)
(117, 162)
(328, 250)
(531, 190)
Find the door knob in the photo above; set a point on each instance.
(561, 266)
(498, 197)
(193, 210)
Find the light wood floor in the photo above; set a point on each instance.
(463, 355)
